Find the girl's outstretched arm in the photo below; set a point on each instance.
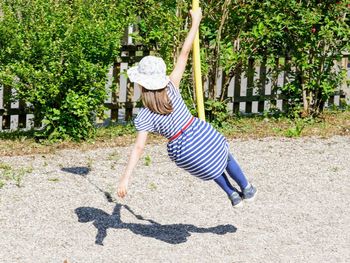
(180, 65)
(133, 159)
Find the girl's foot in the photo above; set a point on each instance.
(236, 200)
(249, 193)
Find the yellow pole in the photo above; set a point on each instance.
(197, 70)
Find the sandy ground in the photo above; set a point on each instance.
(61, 211)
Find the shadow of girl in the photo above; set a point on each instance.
(172, 234)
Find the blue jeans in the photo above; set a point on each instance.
(235, 172)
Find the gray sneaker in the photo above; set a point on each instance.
(236, 200)
(249, 193)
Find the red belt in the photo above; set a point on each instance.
(182, 130)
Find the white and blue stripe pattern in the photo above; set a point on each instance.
(200, 149)
(166, 125)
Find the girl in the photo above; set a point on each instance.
(194, 145)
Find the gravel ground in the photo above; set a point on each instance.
(60, 212)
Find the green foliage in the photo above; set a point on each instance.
(216, 112)
(312, 35)
(295, 131)
(56, 55)
(187, 92)
(160, 26)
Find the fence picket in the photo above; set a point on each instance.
(123, 82)
(14, 122)
(1, 97)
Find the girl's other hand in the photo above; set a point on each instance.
(196, 15)
(122, 188)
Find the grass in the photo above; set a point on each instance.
(114, 156)
(148, 160)
(152, 186)
(328, 124)
(8, 173)
(5, 166)
(90, 163)
(53, 180)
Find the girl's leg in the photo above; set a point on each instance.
(225, 184)
(231, 192)
(236, 173)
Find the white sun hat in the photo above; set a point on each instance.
(149, 73)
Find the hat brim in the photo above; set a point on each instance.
(148, 82)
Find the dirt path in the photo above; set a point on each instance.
(302, 213)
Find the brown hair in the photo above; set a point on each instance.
(157, 101)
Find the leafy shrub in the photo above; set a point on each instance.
(56, 54)
(311, 35)
(161, 26)
(216, 112)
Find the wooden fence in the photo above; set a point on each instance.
(242, 95)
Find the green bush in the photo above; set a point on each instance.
(160, 27)
(312, 36)
(56, 54)
(216, 112)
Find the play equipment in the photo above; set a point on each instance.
(197, 70)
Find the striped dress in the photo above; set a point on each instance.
(200, 149)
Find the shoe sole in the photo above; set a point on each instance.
(252, 198)
(240, 204)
